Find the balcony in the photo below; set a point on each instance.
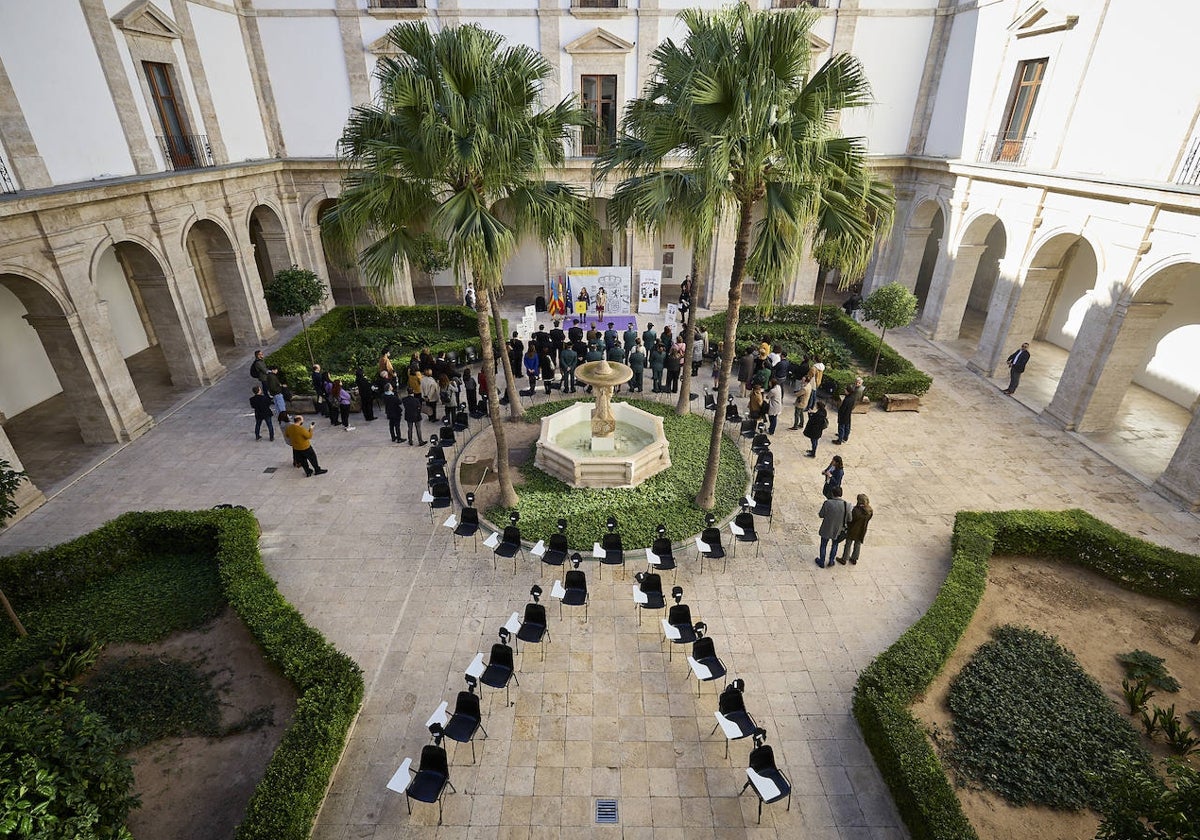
(185, 151)
(589, 141)
(1000, 148)
(598, 4)
(801, 4)
(1189, 170)
(395, 4)
(6, 182)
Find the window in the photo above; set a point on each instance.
(1010, 145)
(394, 4)
(177, 145)
(597, 4)
(599, 95)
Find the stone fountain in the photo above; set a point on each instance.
(608, 445)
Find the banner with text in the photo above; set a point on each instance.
(587, 282)
(650, 290)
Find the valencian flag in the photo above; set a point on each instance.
(558, 304)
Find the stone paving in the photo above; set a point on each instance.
(607, 713)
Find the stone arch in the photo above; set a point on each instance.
(269, 239)
(960, 293)
(346, 285)
(227, 294)
(921, 244)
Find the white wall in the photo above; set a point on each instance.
(220, 41)
(945, 137)
(1172, 371)
(111, 286)
(52, 63)
(308, 77)
(1070, 302)
(26, 375)
(893, 50)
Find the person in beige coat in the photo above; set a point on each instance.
(803, 393)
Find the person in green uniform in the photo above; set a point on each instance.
(637, 361)
(658, 361)
(649, 337)
(567, 360)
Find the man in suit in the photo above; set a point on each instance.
(1016, 366)
(557, 339)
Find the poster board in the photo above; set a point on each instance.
(672, 313)
(649, 290)
(614, 279)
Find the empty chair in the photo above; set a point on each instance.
(467, 523)
(710, 402)
(437, 496)
(705, 663)
(760, 504)
(499, 668)
(432, 777)
(647, 593)
(763, 459)
(461, 419)
(556, 553)
(749, 429)
(742, 528)
(764, 479)
(708, 544)
(574, 593)
(509, 544)
(609, 551)
(732, 415)
(732, 718)
(446, 434)
(677, 626)
(533, 624)
(768, 781)
(660, 556)
(761, 441)
(435, 457)
(466, 720)
(434, 472)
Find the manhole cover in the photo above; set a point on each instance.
(270, 469)
(606, 812)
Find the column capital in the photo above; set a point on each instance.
(969, 251)
(917, 233)
(50, 323)
(1143, 310)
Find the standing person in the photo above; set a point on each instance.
(557, 339)
(697, 354)
(469, 297)
(262, 405)
(516, 352)
(803, 392)
(575, 334)
(746, 370)
(616, 353)
(667, 338)
(774, 404)
(817, 421)
(658, 361)
(844, 415)
(394, 412)
(366, 394)
(834, 474)
(472, 390)
(630, 338)
(818, 373)
(637, 363)
(567, 360)
(320, 380)
(649, 337)
(385, 362)
(755, 409)
(277, 392)
(339, 396)
(585, 298)
(258, 368)
(412, 416)
(856, 534)
(1016, 366)
(547, 365)
(610, 336)
(431, 392)
(674, 365)
(533, 366)
(300, 437)
(601, 303)
(835, 522)
(853, 304)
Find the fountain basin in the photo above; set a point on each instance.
(567, 449)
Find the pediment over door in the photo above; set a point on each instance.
(598, 42)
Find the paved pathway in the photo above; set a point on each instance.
(606, 714)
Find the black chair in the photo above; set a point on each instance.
(677, 626)
(466, 719)
(764, 479)
(468, 521)
(764, 459)
(748, 430)
(446, 434)
(557, 551)
(705, 663)
(575, 593)
(510, 543)
(708, 544)
(610, 550)
(647, 593)
(760, 505)
(500, 668)
(438, 496)
(768, 781)
(761, 441)
(472, 357)
(533, 625)
(431, 779)
(710, 402)
(742, 528)
(732, 415)
(660, 556)
(434, 472)
(435, 457)
(462, 420)
(732, 718)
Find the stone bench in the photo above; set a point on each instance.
(901, 402)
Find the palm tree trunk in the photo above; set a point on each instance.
(12, 616)
(741, 249)
(684, 405)
(508, 496)
(515, 409)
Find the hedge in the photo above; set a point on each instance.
(895, 375)
(330, 685)
(894, 680)
(339, 346)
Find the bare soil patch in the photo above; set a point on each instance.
(1094, 619)
(198, 788)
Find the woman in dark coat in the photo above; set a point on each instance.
(366, 394)
(815, 427)
(833, 475)
(856, 534)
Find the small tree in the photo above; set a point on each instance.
(889, 307)
(295, 291)
(432, 254)
(10, 480)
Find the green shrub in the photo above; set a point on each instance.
(148, 699)
(667, 498)
(1140, 806)
(841, 341)
(897, 676)
(1148, 668)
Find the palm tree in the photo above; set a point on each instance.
(736, 103)
(455, 144)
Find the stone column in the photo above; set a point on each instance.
(251, 287)
(1180, 481)
(912, 254)
(243, 317)
(191, 358)
(28, 495)
(86, 381)
(1014, 309)
(803, 287)
(949, 291)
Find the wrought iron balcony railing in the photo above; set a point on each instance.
(590, 141)
(801, 4)
(395, 4)
(1189, 171)
(6, 182)
(1000, 148)
(186, 151)
(598, 4)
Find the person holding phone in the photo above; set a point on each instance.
(300, 437)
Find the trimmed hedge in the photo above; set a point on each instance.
(890, 684)
(896, 374)
(330, 684)
(340, 347)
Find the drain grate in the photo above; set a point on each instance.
(270, 469)
(606, 812)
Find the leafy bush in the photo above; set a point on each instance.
(329, 683)
(668, 497)
(1178, 737)
(1030, 724)
(1140, 806)
(148, 699)
(340, 347)
(1136, 694)
(62, 776)
(897, 676)
(1148, 668)
(841, 341)
(55, 679)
